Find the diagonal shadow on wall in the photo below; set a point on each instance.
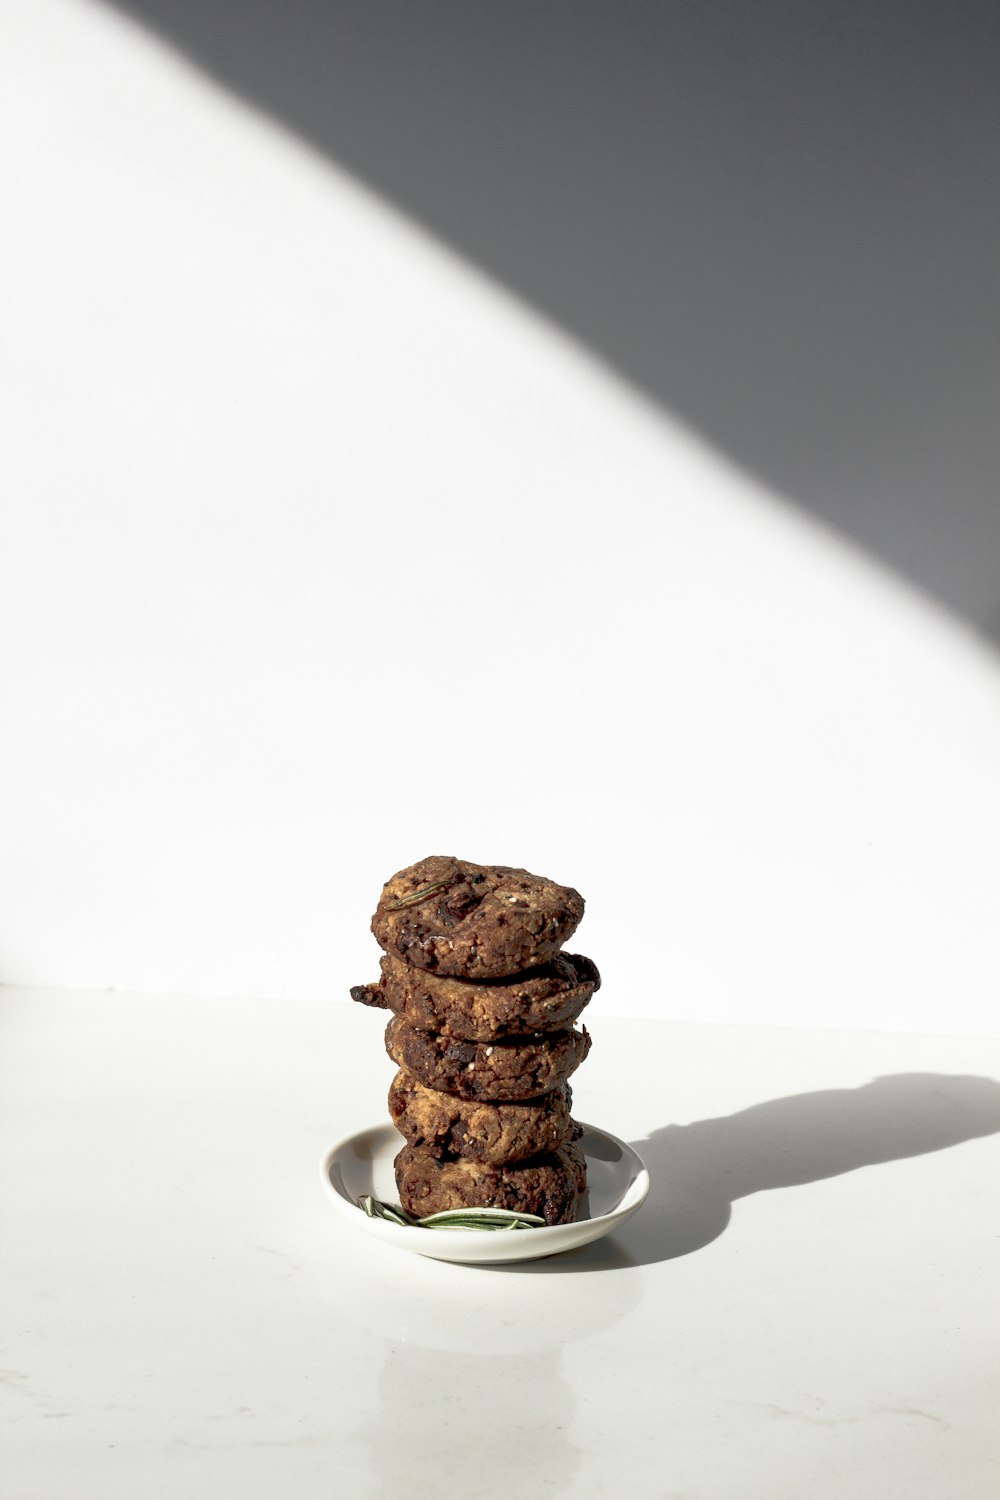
(781, 221)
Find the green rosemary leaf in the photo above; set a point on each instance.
(480, 1218)
(376, 1210)
(415, 896)
(498, 1218)
(393, 1217)
(488, 1219)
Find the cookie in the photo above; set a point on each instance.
(495, 1071)
(491, 1133)
(474, 921)
(550, 1185)
(547, 998)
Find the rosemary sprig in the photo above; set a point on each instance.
(416, 896)
(376, 1210)
(452, 1218)
(489, 1219)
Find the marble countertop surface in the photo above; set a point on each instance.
(806, 1306)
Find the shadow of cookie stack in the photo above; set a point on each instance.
(482, 1031)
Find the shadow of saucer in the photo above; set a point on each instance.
(698, 1171)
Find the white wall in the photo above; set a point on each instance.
(320, 554)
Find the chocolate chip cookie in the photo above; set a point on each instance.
(491, 1133)
(495, 1071)
(547, 998)
(474, 921)
(551, 1185)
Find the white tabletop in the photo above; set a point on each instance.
(805, 1306)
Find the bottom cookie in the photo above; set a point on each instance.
(551, 1185)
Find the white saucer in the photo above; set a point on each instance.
(362, 1163)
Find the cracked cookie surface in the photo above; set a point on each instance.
(551, 1185)
(495, 1071)
(547, 998)
(496, 1134)
(474, 921)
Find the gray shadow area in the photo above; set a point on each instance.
(780, 221)
(699, 1171)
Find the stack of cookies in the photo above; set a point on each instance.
(482, 1031)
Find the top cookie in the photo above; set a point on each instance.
(474, 921)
